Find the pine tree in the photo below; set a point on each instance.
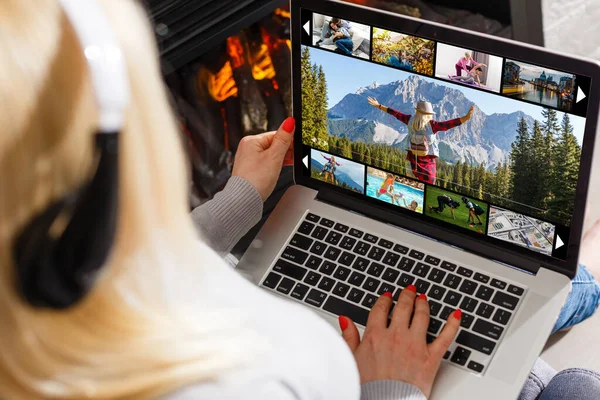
(308, 99)
(457, 176)
(537, 184)
(480, 192)
(467, 180)
(320, 118)
(519, 165)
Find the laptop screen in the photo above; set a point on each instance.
(468, 140)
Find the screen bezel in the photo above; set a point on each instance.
(488, 247)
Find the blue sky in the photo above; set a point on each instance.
(355, 170)
(346, 75)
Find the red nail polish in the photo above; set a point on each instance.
(457, 314)
(388, 294)
(343, 323)
(289, 124)
(412, 288)
(423, 297)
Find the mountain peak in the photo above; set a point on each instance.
(374, 85)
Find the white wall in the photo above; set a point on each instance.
(446, 59)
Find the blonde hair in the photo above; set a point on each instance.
(421, 120)
(145, 329)
(467, 54)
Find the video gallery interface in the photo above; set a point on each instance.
(474, 140)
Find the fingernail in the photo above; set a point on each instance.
(412, 288)
(388, 294)
(343, 323)
(288, 125)
(423, 297)
(457, 314)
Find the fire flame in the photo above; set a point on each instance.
(236, 51)
(262, 65)
(221, 85)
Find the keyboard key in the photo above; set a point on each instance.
(333, 238)
(452, 281)
(341, 307)
(385, 287)
(400, 249)
(501, 316)
(332, 253)
(484, 293)
(434, 308)
(465, 272)
(295, 255)
(446, 312)
(312, 217)
(468, 287)
(313, 262)
(448, 266)
(432, 260)
(315, 298)
(318, 248)
(386, 243)
(466, 320)
(341, 228)
(356, 278)
(452, 298)
(341, 289)
(481, 278)
(505, 300)
(434, 326)
(488, 329)
(272, 280)
(460, 356)
(468, 304)
(327, 268)
(300, 291)
(416, 254)
(430, 338)
(436, 292)
(371, 284)
(475, 342)
(346, 258)
(515, 290)
(375, 269)
(475, 366)
(390, 275)
(391, 259)
(485, 310)
(289, 269)
(301, 242)
(362, 248)
(369, 301)
(348, 243)
(327, 222)
(371, 238)
(312, 278)
(356, 295)
(406, 264)
(447, 355)
(306, 227)
(361, 264)
(356, 233)
(342, 273)
(285, 286)
(376, 253)
(326, 284)
(498, 284)
(436, 275)
(421, 269)
(319, 233)
(406, 280)
(422, 286)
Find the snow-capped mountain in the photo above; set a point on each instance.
(484, 139)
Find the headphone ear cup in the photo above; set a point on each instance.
(58, 272)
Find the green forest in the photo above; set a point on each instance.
(538, 179)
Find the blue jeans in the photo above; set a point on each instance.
(543, 382)
(345, 46)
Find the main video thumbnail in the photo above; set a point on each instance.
(488, 147)
(394, 189)
(521, 230)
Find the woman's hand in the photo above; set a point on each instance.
(468, 116)
(400, 351)
(373, 101)
(259, 158)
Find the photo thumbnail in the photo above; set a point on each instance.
(406, 52)
(468, 67)
(538, 84)
(337, 171)
(521, 230)
(456, 209)
(395, 190)
(341, 36)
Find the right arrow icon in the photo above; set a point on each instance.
(559, 242)
(580, 95)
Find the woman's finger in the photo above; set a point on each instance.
(404, 308)
(420, 321)
(378, 316)
(349, 332)
(440, 345)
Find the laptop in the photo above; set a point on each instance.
(438, 157)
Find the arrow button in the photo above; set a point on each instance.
(580, 95)
(307, 28)
(559, 242)
(305, 161)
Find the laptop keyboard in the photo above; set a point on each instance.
(343, 270)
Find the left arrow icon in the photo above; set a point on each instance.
(305, 161)
(307, 27)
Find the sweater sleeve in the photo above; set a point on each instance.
(390, 390)
(222, 221)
